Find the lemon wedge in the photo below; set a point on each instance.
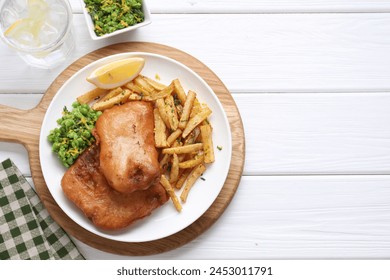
(116, 73)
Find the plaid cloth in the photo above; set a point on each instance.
(26, 229)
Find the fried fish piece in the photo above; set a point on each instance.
(86, 186)
(128, 156)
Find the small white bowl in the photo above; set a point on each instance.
(91, 29)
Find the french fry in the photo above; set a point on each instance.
(206, 132)
(160, 104)
(183, 149)
(191, 138)
(185, 116)
(174, 136)
(195, 174)
(134, 88)
(196, 120)
(91, 95)
(165, 183)
(182, 178)
(179, 144)
(182, 157)
(106, 104)
(136, 97)
(179, 109)
(141, 97)
(174, 175)
(156, 85)
(196, 108)
(167, 91)
(171, 112)
(164, 162)
(112, 93)
(160, 136)
(192, 162)
(144, 85)
(179, 91)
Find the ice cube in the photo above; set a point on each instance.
(47, 34)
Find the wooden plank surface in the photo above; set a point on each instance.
(260, 6)
(316, 133)
(310, 79)
(295, 217)
(283, 53)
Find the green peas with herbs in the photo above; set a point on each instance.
(111, 15)
(74, 133)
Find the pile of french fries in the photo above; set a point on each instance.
(183, 134)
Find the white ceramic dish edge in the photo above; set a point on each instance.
(92, 33)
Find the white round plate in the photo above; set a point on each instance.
(165, 220)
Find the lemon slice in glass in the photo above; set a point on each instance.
(116, 73)
(26, 30)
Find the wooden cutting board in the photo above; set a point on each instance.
(23, 126)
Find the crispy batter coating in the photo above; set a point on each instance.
(87, 187)
(128, 156)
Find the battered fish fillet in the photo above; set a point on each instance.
(128, 157)
(85, 185)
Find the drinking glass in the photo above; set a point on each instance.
(39, 30)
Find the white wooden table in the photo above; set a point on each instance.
(312, 82)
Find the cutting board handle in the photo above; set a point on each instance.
(20, 126)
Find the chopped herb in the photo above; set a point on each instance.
(176, 100)
(157, 77)
(219, 148)
(203, 179)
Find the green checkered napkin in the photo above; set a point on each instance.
(26, 229)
